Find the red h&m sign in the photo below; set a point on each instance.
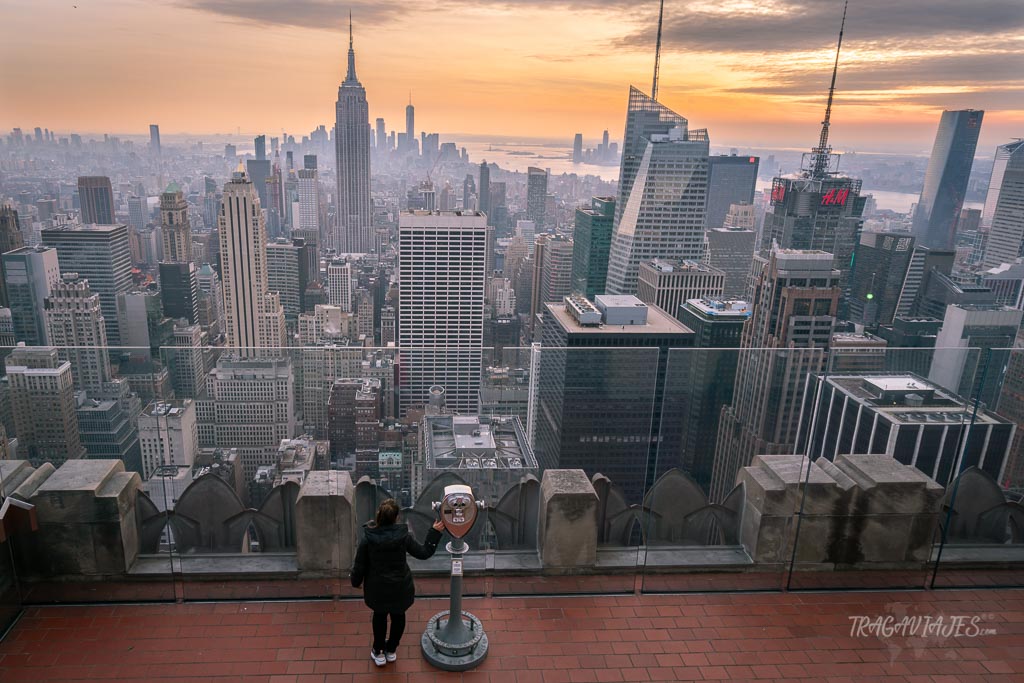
(835, 197)
(778, 194)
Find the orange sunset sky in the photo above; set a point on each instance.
(754, 72)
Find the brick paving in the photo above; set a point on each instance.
(704, 637)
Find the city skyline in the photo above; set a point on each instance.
(727, 68)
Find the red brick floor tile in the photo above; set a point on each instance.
(712, 637)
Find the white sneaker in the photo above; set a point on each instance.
(390, 656)
(378, 657)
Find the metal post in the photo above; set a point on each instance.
(454, 640)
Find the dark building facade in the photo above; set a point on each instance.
(731, 180)
(702, 379)
(906, 417)
(601, 386)
(592, 238)
(96, 199)
(179, 291)
(880, 267)
(11, 238)
(945, 181)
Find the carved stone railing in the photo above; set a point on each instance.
(90, 518)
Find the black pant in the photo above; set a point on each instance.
(381, 643)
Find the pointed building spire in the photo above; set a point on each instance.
(350, 76)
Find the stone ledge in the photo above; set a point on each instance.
(246, 565)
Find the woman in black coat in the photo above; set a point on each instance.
(380, 561)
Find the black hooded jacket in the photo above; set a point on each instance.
(380, 562)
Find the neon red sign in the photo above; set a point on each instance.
(778, 194)
(835, 197)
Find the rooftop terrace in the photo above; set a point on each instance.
(717, 637)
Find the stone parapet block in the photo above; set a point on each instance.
(86, 513)
(325, 522)
(567, 526)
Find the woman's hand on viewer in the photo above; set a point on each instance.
(438, 525)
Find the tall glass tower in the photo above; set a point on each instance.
(663, 182)
(945, 181)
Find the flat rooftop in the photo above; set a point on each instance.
(463, 442)
(780, 637)
(658, 322)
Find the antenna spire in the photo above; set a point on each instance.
(823, 152)
(350, 76)
(657, 53)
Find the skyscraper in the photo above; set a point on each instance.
(381, 138)
(600, 389)
(354, 232)
(260, 145)
(253, 314)
(703, 380)
(138, 214)
(410, 126)
(30, 273)
(96, 199)
(731, 180)
(552, 274)
(168, 435)
(250, 406)
(945, 181)
(179, 291)
(283, 260)
(1006, 234)
(339, 284)
(668, 284)
(175, 226)
(10, 239)
(185, 362)
(906, 417)
(731, 250)
(1003, 153)
(796, 294)
(663, 180)
(75, 325)
(442, 261)
(577, 149)
(536, 195)
(592, 238)
(43, 403)
(484, 201)
(881, 264)
(99, 254)
(308, 187)
(818, 209)
(154, 138)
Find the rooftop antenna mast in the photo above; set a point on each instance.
(823, 153)
(657, 53)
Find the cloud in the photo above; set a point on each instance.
(319, 14)
(788, 25)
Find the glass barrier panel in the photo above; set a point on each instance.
(590, 408)
(883, 429)
(704, 527)
(982, 518)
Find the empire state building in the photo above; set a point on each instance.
(353, 231)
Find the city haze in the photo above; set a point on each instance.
(544, 70)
